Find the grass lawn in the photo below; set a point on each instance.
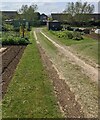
(47, 44)
(30, 93)
(87, 47)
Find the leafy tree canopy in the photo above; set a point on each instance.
(79, 8)
(28, 12)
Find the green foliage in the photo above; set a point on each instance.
(70, 35)
(16, 29)
(13, 38)
(67, 34)
(79, 11)
(60, 34)
(79, 8)
(10, 40)
(28, 12)
(77, 36)
(8, 27)
(23, 41)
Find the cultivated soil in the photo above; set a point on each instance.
(94, 36)
(10, 58)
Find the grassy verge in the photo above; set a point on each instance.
(30, 93)
(47, 44)
(87, 47)
(66, 41)
(89, 50)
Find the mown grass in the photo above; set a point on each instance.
(47, 44)
(30, 93)
(89, 50)
(87, 47)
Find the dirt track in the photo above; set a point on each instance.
(79, 90)
(88, 69)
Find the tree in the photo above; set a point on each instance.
(79, 11)
(27, 12)
(79, 8)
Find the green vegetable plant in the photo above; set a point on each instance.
(77, 36)
(15, 41)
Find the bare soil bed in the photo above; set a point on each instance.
(10, 59)
(94, 36)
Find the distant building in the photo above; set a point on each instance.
(65, 17)
(93, 17)
(43, 17)
(61, 17)
(9, 14)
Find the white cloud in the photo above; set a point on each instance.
(52, 7)
(48, 0)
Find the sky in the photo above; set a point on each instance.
(44, 6)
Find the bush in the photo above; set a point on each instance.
(77, 36)
(66, 34)
(11, 40)
(69, 35)
(8, 27)
(16, 29)
(23, 41)
(15, 41)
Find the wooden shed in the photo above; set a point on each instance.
(54, 25)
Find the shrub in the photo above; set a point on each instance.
(8, 27)
(16, 29)
(15, 41)
(5, 41)
(69, 35)
(61, 35)
(77, 36)
(23, 41)
(11, 40)
(66, 34)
